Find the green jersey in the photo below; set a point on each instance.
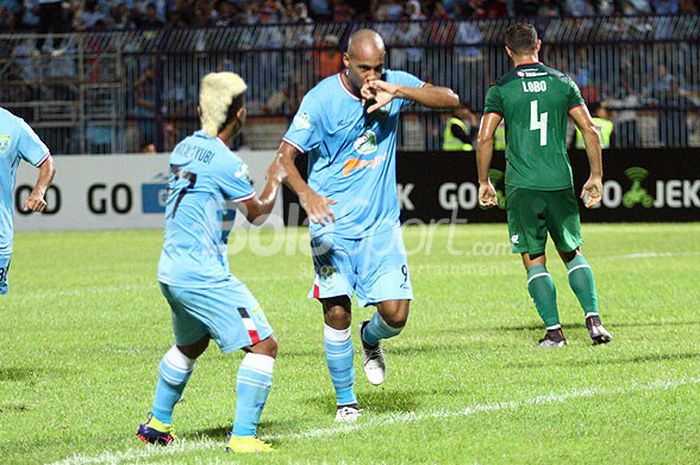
(534, 101)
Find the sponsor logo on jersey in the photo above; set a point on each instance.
(531, 73)
(5, 143)
(354, 164)
(302, 121)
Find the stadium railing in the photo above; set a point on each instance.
(112, 92)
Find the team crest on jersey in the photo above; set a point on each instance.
(5, 143)
(366, 143)
(243, 173)
(302, 121)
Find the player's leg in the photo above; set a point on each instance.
(564, 225)
(337, 343)
(253, 385)
(174, 371)
(235, 321)
(383, 281)
(333, 287)
(528, 237)
(4, 272)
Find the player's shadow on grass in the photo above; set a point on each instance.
(220, 432)
(375, 401)
(615, 361)
(610, 325)
(17, 374)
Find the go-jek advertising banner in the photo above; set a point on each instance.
(114, 192)
(639, 185)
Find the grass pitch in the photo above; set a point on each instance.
(85, 325)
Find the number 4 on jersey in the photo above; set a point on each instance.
(538, 122)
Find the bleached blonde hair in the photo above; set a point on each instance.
(217, 93)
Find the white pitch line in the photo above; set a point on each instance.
(634, 256)
(115, 458)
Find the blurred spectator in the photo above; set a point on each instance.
(636, 7)
(52, 18)
(180, 15)
(666, 7)
(205, 14)
(414, 10)
(121, 17)
(328, 61)
(389, 10)
(673, 117)
(150, 19)
(409, 58)
(88, 15)
(342, 11)
(320, 10)
(460, 131)
(579, 8)
(603, 126)
(549, 8)
(145, 108)
(226, 14)
(689, 7)
(626, 129)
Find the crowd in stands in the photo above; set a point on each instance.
(91, 15)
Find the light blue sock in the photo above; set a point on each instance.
(378, 329)
(339, 355)
(253, 386)
(174, 371)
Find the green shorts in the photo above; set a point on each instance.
(531, 214)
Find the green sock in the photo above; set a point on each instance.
(544, 294)
(583, 285)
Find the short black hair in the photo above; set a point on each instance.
(594, 107)
(521, 38)
(236, 104)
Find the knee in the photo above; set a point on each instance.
(337, 317)
(267, 346)
(396, 316)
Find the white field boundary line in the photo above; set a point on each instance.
(183, 446)
(634, 256)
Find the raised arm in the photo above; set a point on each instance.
(430, 96)
(35, 202)
(592, 189)
(484, 153)
(285, 171)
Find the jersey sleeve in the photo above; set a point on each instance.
(494, 102)
(29, 146)
(574, 98)
(406, 79)
(306, 131)
(234, 181)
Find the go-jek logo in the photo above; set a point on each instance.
(154, 195)
(366, 143)
(637, 194)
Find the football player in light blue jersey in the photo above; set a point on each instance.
(347, 125)
(19, 142)
(206, 301)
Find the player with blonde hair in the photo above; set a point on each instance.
(206, 300)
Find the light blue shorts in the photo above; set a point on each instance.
(229, 314)
(4, 271)
(374, 268)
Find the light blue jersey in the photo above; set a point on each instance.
(204, 176)
(352, 155)
(17, 142)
